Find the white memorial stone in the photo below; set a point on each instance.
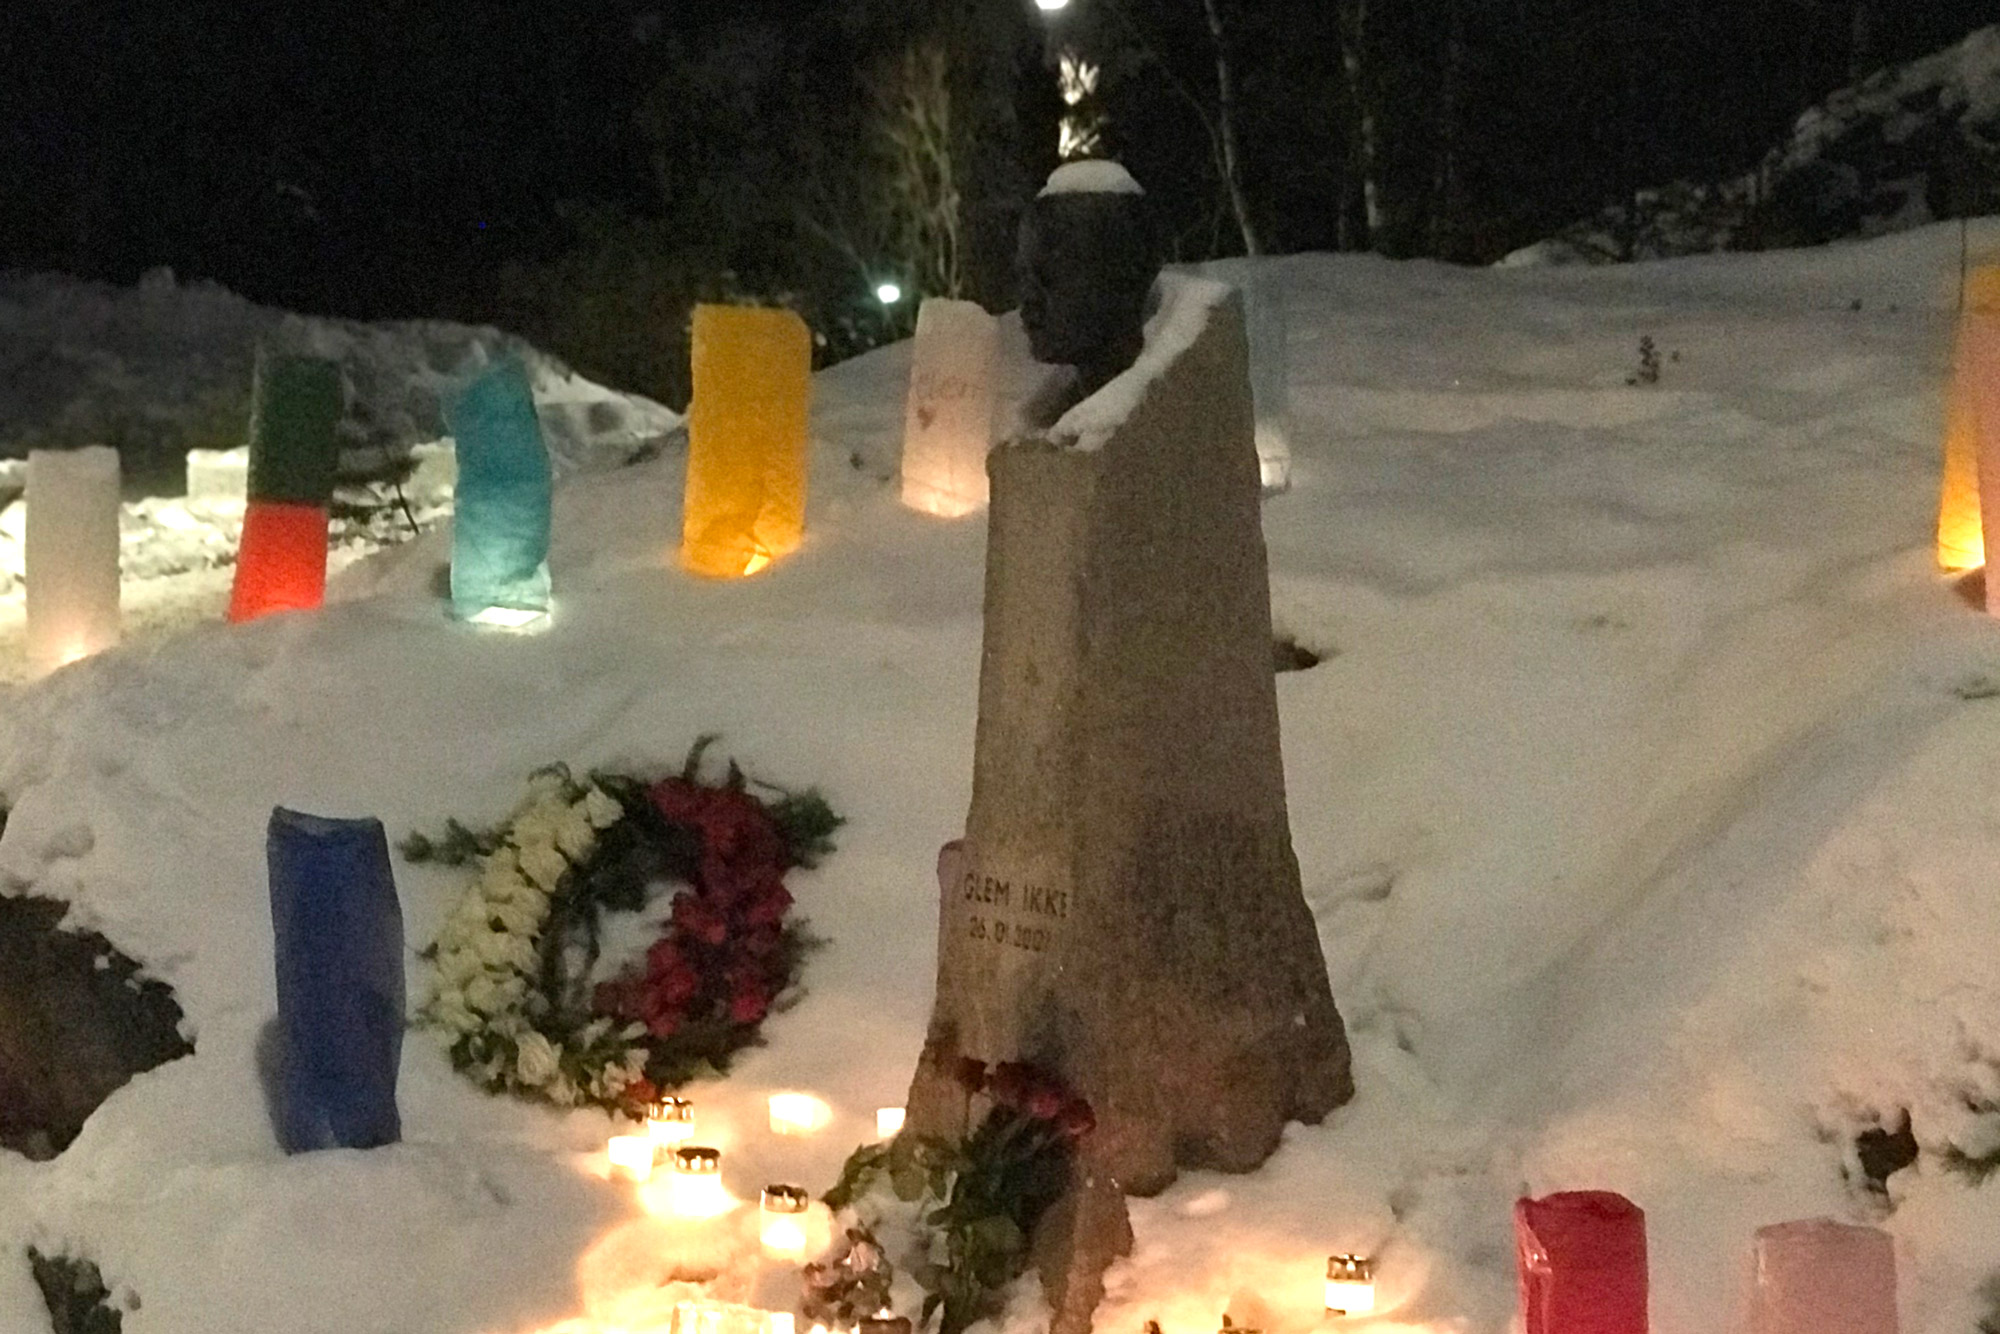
(71, 555)
(948, 418)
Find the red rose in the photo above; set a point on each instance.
(678, 800)
(1076, 1119)
(970, 1073)
(749, 1005)
(769, 907)
(1044, 1102)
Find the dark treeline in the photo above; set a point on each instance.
(582, 170)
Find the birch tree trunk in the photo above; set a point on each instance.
(1367, 127)
(1232, 158)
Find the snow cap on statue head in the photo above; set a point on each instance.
(1091, 176)
(1087, 260)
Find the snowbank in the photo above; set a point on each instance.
(1647, 801)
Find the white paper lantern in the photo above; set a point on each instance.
(948, 417)
(71, 555)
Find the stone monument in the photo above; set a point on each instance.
(1125, 908)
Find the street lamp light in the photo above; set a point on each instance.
(888, 293)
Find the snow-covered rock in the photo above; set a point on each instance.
(163, 368)
(1908, 145)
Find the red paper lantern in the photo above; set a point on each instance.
(281, 561)
(1582, 1263)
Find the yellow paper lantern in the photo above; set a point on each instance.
(746, 475)
(1961, 541)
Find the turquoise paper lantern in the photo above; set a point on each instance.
(500, 534)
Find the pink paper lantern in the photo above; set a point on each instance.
(1817, 1276)
(1582, 1262)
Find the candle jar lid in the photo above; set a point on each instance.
(784, 1199)
(1350, 1268)
(672, 1109)
(696, 1161)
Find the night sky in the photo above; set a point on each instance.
(538, 161)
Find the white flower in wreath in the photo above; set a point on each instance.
(574, 833)
(543, 866)
(535, 1060)
(601, 808)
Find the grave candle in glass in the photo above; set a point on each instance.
(1350, 1285)
(745, 503)
(1581, 1259)
(670, 1121)
(631, 1157)
(71, 555)
(889, 1122)
(698, 1189)
(1817, 1276)
(782, 1222)
(798, 1114)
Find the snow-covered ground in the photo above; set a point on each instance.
(1647, 803)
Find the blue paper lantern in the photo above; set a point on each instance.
(339, 938)
(500, 532)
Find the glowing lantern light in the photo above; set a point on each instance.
(781, 1220)
(71, 554)
(670, 1121)
(889, 1122)
(338, 934)
(697, 1183)
(888, 293)
(728, 1318)
(746, 473)
(1051, 6)
(948, 417)
(798, 1114)
(281, 560)
(631, 1156)
(1270, 382)
(1972, 427)
(1581, 1258)
(1817, 1276)
(1350, 1285)
(500, 523)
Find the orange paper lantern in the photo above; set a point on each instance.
(746, 474)
(281, 562)
(1972, 431)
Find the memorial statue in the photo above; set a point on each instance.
(1087, 262)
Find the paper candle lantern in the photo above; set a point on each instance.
(1350, 1285)
(781, 1222)
(1581, 1258)
(339, 938)
(1270, 381)
(71, 555)
(631, 1156)
(948, 417)
(500, 523)
(746, 473)
(1972, 432)
(1821, 1277)
(798, 1114)
(670, 1121)
(281, 560)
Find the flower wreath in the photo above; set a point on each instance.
(515, 993)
